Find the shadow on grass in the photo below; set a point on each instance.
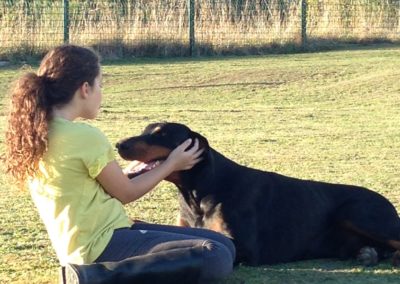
(118, 52)
(321, 271)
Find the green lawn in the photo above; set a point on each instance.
(331, 116)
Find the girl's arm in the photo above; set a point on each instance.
(126, 190)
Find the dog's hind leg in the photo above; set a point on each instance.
(396, 255)
(374, 225)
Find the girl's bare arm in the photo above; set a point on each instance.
(118, 185)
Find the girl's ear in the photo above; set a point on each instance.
(84, 90)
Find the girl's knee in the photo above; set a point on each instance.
(230, 246)
(227, 242)
(218, 260)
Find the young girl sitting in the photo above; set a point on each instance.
(79, 189)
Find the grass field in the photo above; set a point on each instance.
(332, 116)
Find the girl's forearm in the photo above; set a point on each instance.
(145, 182)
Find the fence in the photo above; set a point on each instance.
(192, 27)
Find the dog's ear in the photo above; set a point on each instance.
(203, 142)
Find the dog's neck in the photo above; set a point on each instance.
(204, 178)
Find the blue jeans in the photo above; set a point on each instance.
(145, 238)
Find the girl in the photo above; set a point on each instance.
(79, 189)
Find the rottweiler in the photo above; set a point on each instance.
(271, 218)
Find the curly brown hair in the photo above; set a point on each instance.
(62, 71)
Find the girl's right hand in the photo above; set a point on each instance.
(185, 160)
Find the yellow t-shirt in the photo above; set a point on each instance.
(79, 215)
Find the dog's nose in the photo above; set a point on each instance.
(121, 146)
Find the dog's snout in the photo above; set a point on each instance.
(121, 146)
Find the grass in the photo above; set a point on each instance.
(332, 116)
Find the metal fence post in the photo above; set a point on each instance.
(191, 14)
(66, 21)
(303, 23)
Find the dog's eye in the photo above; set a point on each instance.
(159, 133)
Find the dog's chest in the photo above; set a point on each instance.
(204, 213)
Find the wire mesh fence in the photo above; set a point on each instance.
(354, 20)
(180, 27)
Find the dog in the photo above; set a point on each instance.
(271, 218)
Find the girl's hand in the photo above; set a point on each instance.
(127, 190)
(185, 160)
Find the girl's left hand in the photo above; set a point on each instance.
(185, 160)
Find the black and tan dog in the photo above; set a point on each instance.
(270, 217)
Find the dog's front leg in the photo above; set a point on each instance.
(180, 221)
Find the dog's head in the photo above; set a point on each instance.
(156, 142)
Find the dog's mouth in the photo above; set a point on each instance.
(142, 167)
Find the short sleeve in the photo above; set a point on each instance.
(99, 153)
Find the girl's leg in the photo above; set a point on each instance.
(140, 240)
(183, 266)
(196, 232)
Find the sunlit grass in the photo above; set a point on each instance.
(331, 116)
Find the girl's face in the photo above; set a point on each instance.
(94, 99)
